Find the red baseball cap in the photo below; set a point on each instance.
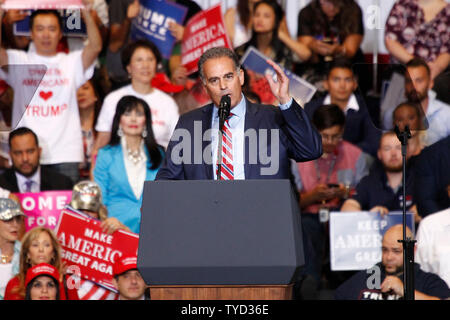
(39, 270)
(123, 264)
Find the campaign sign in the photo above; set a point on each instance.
(152, 23)
(355, 237)
(41, 4)
(92, 252)
(73, 25)
(257, 68)
(205, 30)
(43, 208)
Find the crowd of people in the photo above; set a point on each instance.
(102, 112)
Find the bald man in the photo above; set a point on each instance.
(384, 280)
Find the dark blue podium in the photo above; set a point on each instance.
(215, 235)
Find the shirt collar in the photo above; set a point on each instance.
(432, 105)
(36, 177)
(352, 102)
(238, 110)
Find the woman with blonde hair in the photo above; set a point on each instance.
(39, 245)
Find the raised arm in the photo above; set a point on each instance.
(304, 142)
(119, 31)
(94, 46)
(300, 49)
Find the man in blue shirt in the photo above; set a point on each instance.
(381, 190)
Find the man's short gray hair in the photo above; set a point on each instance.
(214, 53)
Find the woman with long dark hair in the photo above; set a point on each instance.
(271, 40)
(131, 157)
(89, 103)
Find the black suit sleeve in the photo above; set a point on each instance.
(426, 193)
(170, 170)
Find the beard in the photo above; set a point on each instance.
(398, 271)
(416, 96)
(29, 174)
(393, 168)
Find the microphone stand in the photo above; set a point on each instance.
(408, 243)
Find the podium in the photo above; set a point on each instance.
(234, 240)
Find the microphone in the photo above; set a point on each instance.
(224, 108)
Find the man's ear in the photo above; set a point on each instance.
(241, 77)
(355, 82)
(325, 84)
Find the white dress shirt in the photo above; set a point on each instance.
(352, 103)
(433, 244)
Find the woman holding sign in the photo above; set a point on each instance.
(39, 245)
(131, 157)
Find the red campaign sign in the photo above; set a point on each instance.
(43, 208)
(205, 30)
(42, 4)
(92, 252)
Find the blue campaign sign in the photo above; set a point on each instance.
(301, 90)
(152, 23)
(73, 25)
(355, 237)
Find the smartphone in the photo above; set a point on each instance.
(333, 185)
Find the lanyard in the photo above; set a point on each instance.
(330, 169)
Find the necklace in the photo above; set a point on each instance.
(135, 156)
(4, 258)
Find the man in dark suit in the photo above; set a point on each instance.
(26, 174)
(341, 85)
(258, 140)
(432, 178)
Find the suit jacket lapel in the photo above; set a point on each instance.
(45, 185)
(251, 122)
(206, 125)
(12, 179)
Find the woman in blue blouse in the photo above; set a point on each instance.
(131, 157)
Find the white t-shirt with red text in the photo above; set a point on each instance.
(163, 108)
(52, 112)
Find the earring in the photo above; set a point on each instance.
(144, 133)
(120, 132)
